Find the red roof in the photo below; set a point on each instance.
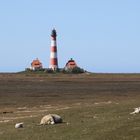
(36, 63)
(71, 64)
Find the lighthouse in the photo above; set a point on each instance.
(53, 55)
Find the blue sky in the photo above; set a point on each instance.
(100, 35)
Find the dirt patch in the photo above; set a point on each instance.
(25, 112)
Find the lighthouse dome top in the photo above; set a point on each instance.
(53, 34)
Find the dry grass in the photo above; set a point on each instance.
(93, 106)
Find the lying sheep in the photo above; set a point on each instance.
(51, 119)
(19, 125)
(136, 110)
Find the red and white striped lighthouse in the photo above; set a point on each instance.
(53, 55)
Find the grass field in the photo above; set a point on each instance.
(93, 106)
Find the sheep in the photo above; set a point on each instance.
(51, 119)
(19, 125)
(136, 110)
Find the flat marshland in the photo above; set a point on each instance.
(93, 106)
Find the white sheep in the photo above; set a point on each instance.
(19, 125)
(136, 110)
(51, 119)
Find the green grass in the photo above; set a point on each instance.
(92, 122)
